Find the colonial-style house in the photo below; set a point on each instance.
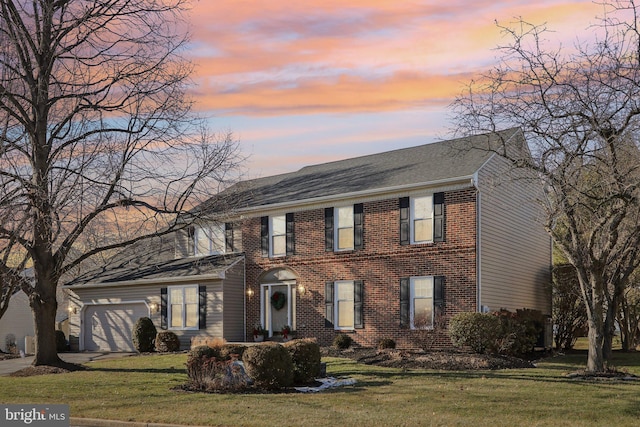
(375, 247)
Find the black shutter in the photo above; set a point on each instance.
(291, 245)
(358, 297)
(358, 226)
(404, 301)
(328, 229)
(163, 308)
(328, 305)
(264, 235)
(228, 237)
(202, 307)
(405, 237)
(438, 217)
(438, 291)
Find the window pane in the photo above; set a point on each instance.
(345, 238)
(202, 241)
(278, 225)
(345, 217)
(192, 315)
(279, 245)
(422, 287)
(175, 295)
(423, 230)
(422, 207)
(423, 311)
(191, 295)
(176, 315)
(344, 291)
(345, 314)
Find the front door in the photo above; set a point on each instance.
(278, 306)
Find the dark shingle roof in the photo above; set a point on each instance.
(427, 163)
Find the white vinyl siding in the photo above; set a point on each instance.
(514, 248)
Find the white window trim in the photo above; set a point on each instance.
(210, 251)
(412, 280)
(336, 319)
(336, 228)
(412, 219)
(271, 236)
(184, 311)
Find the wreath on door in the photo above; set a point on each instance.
(278, 299)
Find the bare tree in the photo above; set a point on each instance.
(99, 147)
(579, 109)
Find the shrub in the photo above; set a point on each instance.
(226, 351)
(269, 365)
(519, 331)
(384, 343)
(475, 330)
(167, 341)
(201, 351)
(305, 355)
(144, 333)
(210, 341)
(212, 374)
(61, 341)
(342, 341)
(10, 344)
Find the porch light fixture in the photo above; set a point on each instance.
(301, 289)
(154, 307)
(72, 310)
(249, 292)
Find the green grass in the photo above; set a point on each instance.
(139, 389)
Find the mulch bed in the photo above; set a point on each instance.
(62, 368)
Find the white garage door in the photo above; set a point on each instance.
(108, 327)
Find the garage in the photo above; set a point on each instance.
(108, 327)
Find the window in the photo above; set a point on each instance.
(343, 304)
(278, 231)
(183, 307)
(277, 235)
(344, 228)
(209, 239)
(421, 302)
(420, 299)
(422, 219)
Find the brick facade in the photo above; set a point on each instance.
(380, 265)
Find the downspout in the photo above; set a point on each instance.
(474, 182)
(244, 292)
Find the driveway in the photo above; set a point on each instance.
(9, 366)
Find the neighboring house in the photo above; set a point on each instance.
(17, 321)
(373, 246)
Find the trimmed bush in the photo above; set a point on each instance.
(305, 355)
(384, 343)
(342, 341)
(144, 333)
(519, 331)
(61, 341)
(211, 374)
(475, 330)
(269, 365)
(227, 350)
(167, 341)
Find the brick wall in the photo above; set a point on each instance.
(381, 265)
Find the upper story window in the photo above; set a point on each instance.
(344, 227)
(209, 239)
(422, 219)
(277, 235)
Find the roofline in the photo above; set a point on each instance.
(160, 280)
(357, 194)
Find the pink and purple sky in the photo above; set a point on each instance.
(312, 81)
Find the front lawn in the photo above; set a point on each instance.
(139, 389)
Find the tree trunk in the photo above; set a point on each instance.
(44, 315)
(595, 359)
